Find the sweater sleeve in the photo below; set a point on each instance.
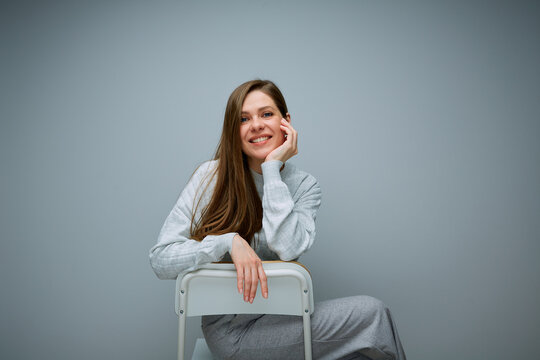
(289, 225)
(175, 252)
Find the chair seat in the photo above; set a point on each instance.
(201, 352)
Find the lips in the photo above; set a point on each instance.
(260, 139)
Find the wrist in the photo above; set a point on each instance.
(234, 240)
(271, 171)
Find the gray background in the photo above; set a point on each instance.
(419, 119)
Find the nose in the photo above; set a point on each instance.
(257, 123)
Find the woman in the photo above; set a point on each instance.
(248, 205)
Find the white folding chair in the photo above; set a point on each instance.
(212, 290)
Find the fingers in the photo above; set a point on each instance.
(288, 136)
(248, 279)
(287, 127)
(240, 279)
(254, 283)
(247, 283)
(287, 124)
(248, 270)
(264, 284)
(292, 135)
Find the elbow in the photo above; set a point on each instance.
(162, 273)
(291, 254)
(156, 268)
(296, 249)
(159, 273)
(294, 252)
(157, 265)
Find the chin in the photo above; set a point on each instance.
(260, 157)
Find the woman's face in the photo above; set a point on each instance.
(260, 131)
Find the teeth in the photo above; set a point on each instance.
(260, 139)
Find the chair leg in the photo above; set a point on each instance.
(307, 336)
(181, 335)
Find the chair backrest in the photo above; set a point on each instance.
(212, 290)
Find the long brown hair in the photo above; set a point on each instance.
(235, 205)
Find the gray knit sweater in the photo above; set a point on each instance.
(290, 200)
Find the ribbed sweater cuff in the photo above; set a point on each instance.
(270, 170)
(227, 241)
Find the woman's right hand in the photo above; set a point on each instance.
(249, 269)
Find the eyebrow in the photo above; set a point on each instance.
(260, 109)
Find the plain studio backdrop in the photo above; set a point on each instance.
(420, 120)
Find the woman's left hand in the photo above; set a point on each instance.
(289, 148)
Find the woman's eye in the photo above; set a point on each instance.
(244, 119)
(267, 114)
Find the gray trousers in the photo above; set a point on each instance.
(356, 327)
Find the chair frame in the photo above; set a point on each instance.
(192, 284)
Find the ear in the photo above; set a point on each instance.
(288, 117)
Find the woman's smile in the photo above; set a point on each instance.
(260, 140)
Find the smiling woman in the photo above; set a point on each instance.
(249, 204)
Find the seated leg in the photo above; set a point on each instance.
(347, 328)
